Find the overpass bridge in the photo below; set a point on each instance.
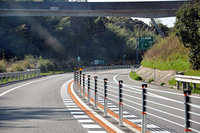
(143, 9)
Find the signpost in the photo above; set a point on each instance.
(145, 42)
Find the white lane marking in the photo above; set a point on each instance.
(39, 80)
(69, 101)
(114, 109)
(81, 116)
(129, 116)
(160, 132)
(86, 121)
(77, 113)
(97, 132)
(135, 120)
(69, 104)
(110, 106)
(124, 112)
(94, 113)
(91, 126)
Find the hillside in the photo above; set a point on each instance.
(62, 39)
(169, 54)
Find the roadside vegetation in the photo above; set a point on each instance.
(180, 50)
(134, 76)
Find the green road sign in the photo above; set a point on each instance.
(145, 42)
(78, 58)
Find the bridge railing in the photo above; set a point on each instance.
(186, 80)
(128, 101)
(13, 76)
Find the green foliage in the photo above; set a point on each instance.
(169, 54)
(196, 90)
(188, 30)
(2, 66)
(45, 65)
(134, 76)
(172, 81)
(161, 84)
(61, 39)
(150, 80)
(17, 66)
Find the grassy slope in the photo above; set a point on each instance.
(170, 54)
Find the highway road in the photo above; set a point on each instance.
(173, 100)
(37, 106)
(43, 105)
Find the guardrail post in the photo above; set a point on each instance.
(88, 89)
(187, 109)
(178, 86)
(184, 86)
(144, 114)
(95, 92)
(120, 103)
(193, 86)
(83, 86)
(105, 97)
(188, 86)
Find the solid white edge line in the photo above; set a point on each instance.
(95, 114)
(26, 84)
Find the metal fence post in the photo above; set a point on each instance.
(95, 92)
(105, 97)
(144, 114)
(187, 109)
(83, 86)
(120, 103)
(88, 89)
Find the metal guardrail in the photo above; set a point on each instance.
(13, 76)
(186, 80)
(96, 68)
(141, 100)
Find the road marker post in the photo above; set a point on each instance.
(83, 86)
(120, 103)
(88, 89)
(80, 81)
(95, 92)
(76, 80)
(105, 97)
(187, 109)
(144, 114)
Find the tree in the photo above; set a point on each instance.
(188, 30)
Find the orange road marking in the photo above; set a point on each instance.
(88, 112)
(117, 116)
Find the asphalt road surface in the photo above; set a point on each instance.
(36, 106)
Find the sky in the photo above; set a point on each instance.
(169, 21)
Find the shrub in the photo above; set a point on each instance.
(17, 66)
(161, 84)
(150, 80)
(45, 65)
(134, 76)
(2, 66)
